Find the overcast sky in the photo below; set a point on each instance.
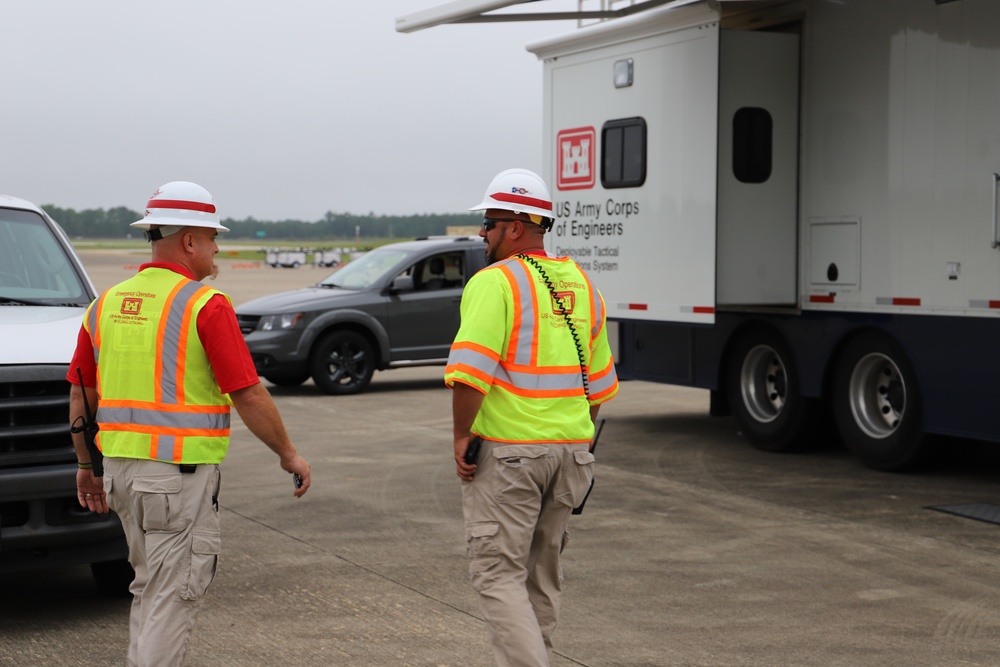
(283, 110)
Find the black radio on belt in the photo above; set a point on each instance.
(188, 468)
(472, 451)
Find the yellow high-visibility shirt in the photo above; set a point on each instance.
(515, 347)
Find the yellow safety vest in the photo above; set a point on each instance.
(159, 399)
(515, 347)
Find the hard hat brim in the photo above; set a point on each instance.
(180, 222)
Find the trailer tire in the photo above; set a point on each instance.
(342, 362)
(876, 403)
(764, 393)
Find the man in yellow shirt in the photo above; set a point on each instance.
(529, 369)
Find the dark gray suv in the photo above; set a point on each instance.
(395, 306)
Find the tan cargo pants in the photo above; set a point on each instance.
(172, 529)
(516, 513)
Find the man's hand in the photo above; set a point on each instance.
(300, 467)
(90, 491)
(465, 404)
(465, 471)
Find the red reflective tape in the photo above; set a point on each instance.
(902, 301)
(821, 298)
(181, 204)
(704, 309)
(638, 306)
(513, 198)
(994, 303)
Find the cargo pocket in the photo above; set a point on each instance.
(514, 469)
(159, 501)
(484, 554)
(575, 478)
(202, 565)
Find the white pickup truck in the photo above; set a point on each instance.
(44, 292)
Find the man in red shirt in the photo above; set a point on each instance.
(162, 402)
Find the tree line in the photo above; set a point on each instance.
(113, 223)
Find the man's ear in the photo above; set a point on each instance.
(517, 229)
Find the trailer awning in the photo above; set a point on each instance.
(488, 11)
(485, 11)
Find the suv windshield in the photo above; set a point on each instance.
(366, 270)
(34, 268)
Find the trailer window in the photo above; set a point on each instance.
(752, 143)
(623, 146)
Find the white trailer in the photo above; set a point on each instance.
(792, 204)
(292, 259)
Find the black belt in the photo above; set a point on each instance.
(191, 468)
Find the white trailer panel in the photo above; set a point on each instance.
(900, 134)
(650, 250)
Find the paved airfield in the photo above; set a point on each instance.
(694, 549)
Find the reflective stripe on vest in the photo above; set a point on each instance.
(552, 381)
(164, 422)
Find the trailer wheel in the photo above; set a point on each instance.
(876, 403)
(764, 391)
(342, 362)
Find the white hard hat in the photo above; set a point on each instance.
(181, 204)
(520, 191)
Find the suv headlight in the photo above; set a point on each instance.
(282, 321)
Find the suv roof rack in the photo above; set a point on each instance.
(446, 238)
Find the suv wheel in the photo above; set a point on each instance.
(342, 363)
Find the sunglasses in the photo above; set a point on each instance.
(490, 223)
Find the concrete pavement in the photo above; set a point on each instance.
(694, 550)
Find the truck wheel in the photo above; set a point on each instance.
(876, 403)
(342, 363)
(764, 392)
(113, 577)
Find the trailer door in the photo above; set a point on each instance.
(758, 168)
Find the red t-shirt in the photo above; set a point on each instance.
(219, 333)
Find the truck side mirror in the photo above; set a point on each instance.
(401, 284)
